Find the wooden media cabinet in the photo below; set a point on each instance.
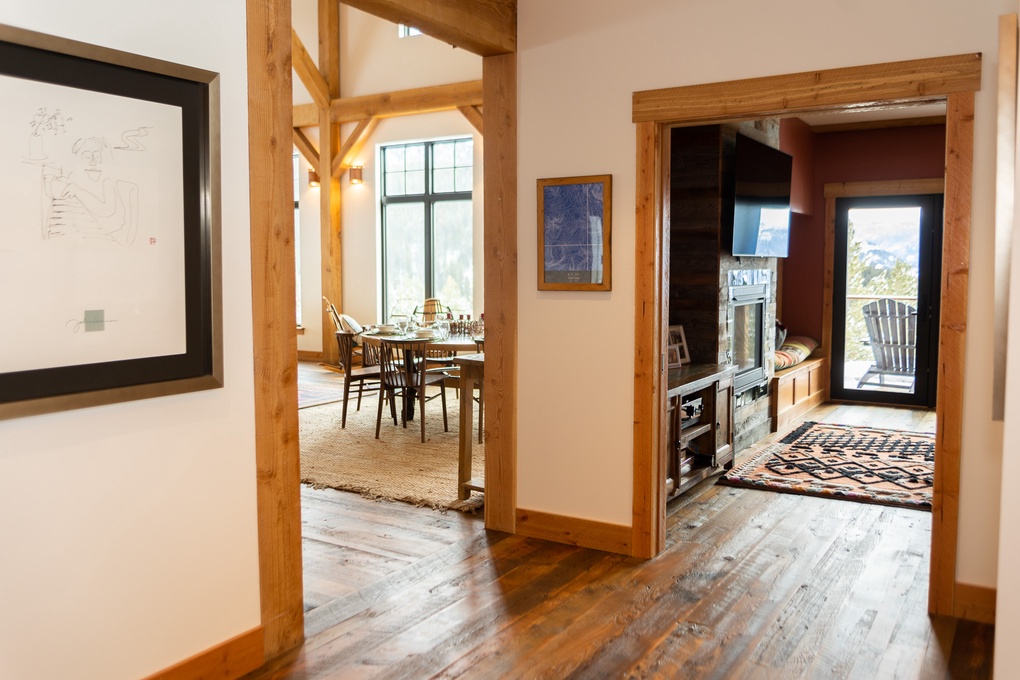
(700, 435)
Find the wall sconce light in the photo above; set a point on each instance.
(313, 178)
(355, 175)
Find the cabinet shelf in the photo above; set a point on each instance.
(696, 475)
(693, 432)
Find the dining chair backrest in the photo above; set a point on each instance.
(369, 354)
(402, 362)
(333, 315)
(345, 343)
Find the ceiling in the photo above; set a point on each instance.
(844, 118)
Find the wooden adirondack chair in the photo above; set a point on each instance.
(892, 334)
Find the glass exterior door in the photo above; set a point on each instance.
(885, 299)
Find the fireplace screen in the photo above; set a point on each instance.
(746, 337)
(746, 340)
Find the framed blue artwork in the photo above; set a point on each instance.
(574, 229)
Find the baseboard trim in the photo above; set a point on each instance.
(586, 533)
(974, 603)
(226, 661)
(305, 355)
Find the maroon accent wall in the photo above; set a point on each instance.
(796, 139)
(859, 156)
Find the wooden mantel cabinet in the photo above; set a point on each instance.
(700, 435)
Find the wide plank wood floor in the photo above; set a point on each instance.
(752, 584)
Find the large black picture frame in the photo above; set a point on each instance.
(123, 79)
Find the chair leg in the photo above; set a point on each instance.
(442, 387)
(347, 391)
(378, 414)
(421, 412)
(361, 388)
(481, 412)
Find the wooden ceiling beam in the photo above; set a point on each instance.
(307, 149)
(308, 72)
(393, 104)
(473, 115)
(484, 27)
(353, 146)
(306, 115)
(407, 102)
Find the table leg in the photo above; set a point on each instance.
(466, 433)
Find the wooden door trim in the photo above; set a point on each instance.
(649, 504)
(951, 79)
(952, 346)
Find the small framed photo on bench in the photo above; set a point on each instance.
(676, 350)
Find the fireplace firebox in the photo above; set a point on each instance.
(747, 328)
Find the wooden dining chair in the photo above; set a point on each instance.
(366, 353)
(352, 374)
(334, 316)
(404, 375)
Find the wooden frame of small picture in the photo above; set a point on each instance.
(575, 233)
(677, 339)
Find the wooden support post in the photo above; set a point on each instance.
(274, 332)
(331, 228)
(499, 75)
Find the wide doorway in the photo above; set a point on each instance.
(886, 279)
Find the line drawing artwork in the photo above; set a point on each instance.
(92, 237)
(84, 197)
(110, 221)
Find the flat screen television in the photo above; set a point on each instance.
(761, 205)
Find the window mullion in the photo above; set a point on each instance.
(429, 283)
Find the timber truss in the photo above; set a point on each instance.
(483, 27)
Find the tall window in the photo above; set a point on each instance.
(427, 226)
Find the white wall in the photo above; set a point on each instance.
(128, 531)
(373, 61)
(579, 63)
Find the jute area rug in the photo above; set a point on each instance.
(869, 465)
(397, 466)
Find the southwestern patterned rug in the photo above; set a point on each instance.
(869, 465)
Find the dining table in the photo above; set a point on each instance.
(471, 374)
(452, 345)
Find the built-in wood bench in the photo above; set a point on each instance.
(796, 390)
